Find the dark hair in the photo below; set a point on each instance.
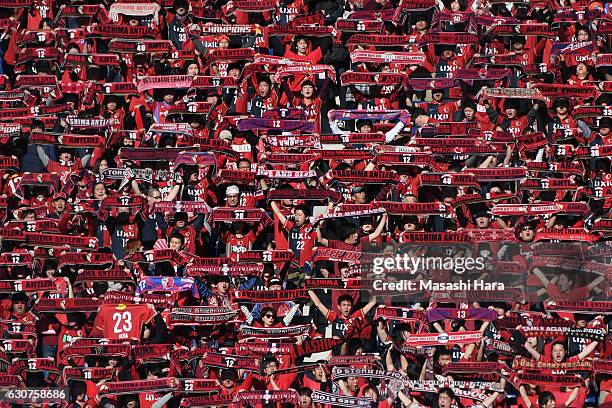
(447, 391)
(545, 397)
(344, 298)
(443, 351)
(348, 230)
(96, 166)
(78, 387)
(266, 310)
(353, 345)
(178, 236)
(305, 391)
(303, 208)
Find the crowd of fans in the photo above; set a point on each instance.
(195, 194)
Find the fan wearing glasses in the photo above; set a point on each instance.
(268, 318)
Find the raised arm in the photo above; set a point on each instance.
(318, 304)
(322, 241)
(596, 282)
(540, 275)
(278, 213)
(369, 306)
(379, 228)
(42, 155)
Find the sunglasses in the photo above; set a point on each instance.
(156, 197)
(269, 315)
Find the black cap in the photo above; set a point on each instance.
(362, 122)
(561, 102)
(180, 4)
(19, 297)
(482, 214)
(511, 104)
(229, 374)
(605, 122)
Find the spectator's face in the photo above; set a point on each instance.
(228, 383)
(581, 323)
(360, 197)
(365, 128)
(234, 72)
(352, 239)
(455, 6)
(469, 113)
(212, 99)
(448, 54)
(268, 318)
(482, 222)
(264, 89)
(302, 46)
(59, 205)
(271, 367)
(605, 131)
(511, 113)
(581, 69)
(103, 165)
(533, 341)
(244, 166)
(562, 110)
(30, 217)
(169, 98)
(421, 120)
(111, 106)
(421, 25)
(181, 11)
(444, 401)
(345, 307)
(527, 233)
(437, 96)
(232, 200)
(180, 224)
(307, 91)
(564, 283)
(131, 404)
(582, 35)
(175, 244)
(518, 46)
(300, 218)
(19, 307)
(352, 383)
(154, 197)
(409, 227)
(223, 44)
(193, 69)
(222, 287)
(549, 404)
(444, 359)
(305, 401)
(99, 192)
(65, 156)
(558, 353)
(133, 22)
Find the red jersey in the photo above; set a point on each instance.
(280, 236)
(119, 322)
(301, 241)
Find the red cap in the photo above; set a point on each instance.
(59, 196)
